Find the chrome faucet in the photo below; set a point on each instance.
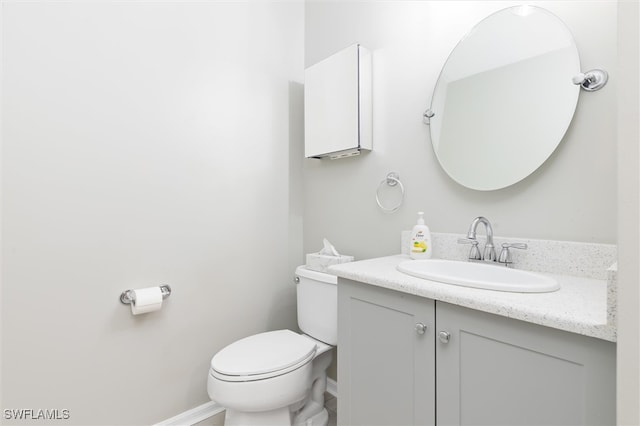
(489, 254)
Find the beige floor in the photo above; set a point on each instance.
(330, 403)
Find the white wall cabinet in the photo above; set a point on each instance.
(482, 370)
(337, 104)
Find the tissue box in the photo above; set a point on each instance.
(320, 262)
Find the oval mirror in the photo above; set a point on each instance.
(504, 98)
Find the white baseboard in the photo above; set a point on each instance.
(211, 408)
(193, 416)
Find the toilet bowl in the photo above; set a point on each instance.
(279, 377)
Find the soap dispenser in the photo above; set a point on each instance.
(420, 244)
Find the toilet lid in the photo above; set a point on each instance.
(263, 353)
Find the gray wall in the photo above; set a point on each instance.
(144, 143)
(571, 197)
(628, 353)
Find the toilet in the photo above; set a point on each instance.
(279, 377)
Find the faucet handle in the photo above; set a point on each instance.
(474, 253)
(521, 246)
(505, 254)
(467, 241)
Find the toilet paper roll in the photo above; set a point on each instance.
(146, 300)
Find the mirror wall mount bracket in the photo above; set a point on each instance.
(591, 80)
(426, 117)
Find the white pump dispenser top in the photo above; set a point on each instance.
(420, 218)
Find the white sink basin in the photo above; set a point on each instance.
(479, 275)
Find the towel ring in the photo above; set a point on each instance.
(392, 180)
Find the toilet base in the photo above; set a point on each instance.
(320, 419)
(273, 418)
(279, 417)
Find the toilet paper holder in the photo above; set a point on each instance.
(128, 296)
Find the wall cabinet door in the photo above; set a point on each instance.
(337, 104)
(386, 363)
(498, 371)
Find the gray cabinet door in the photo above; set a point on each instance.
(386, 366)
(499, 371)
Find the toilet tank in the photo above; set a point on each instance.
(317, 304)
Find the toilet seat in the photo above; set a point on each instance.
(262, 356)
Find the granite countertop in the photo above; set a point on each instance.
(580, 306)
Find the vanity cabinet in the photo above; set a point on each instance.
(499, 371)
(386, 357)
(468, 368)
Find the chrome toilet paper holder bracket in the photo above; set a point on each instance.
(128, 296)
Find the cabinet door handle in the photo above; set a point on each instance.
(421, 328)
(444, 337)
